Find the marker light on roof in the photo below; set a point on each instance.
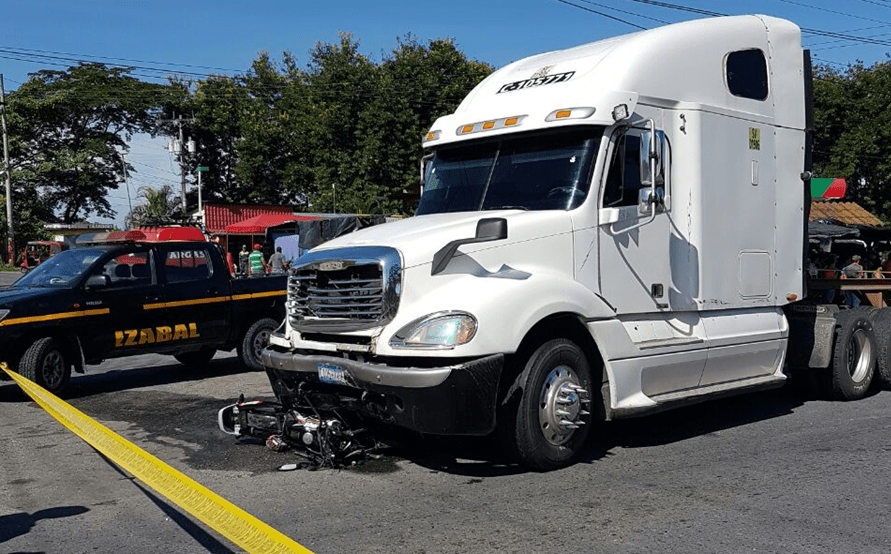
(490, 125)
(432, 135)
(570, 113)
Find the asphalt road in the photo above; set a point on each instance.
(768, 472)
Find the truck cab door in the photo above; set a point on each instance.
(196, 293)
(634, 243)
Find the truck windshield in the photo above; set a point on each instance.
(62, 270)
(538, 172)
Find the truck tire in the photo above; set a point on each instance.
(254, 341)
(881, 322)
(47, 363)
(545, 418)
(853, 358)
(196, 358)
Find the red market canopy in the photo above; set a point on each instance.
(259, 223)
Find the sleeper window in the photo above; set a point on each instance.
(747, 74)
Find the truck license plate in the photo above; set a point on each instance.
(333, 374)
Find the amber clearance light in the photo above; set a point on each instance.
(490, 125)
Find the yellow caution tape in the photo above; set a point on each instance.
(226, 518)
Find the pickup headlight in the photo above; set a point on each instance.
(439, 331)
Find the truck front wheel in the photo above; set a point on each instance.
(853, 358)
(254, 341)
(546, 417)
(47, 363)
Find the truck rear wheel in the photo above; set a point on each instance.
(47, 363)
(254, 341)
(546, 417)
(853, 358)
(881, 322)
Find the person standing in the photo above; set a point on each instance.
(852, 271)
(243, 259)
(277, 261)
(256, 263)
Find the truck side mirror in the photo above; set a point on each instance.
(425, 161)
(648, 200)
(487, 230)
(97, 282)
(646, 177)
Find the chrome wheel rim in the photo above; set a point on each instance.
(561, 405)
(859, 355)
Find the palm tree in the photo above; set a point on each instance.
(161, 206)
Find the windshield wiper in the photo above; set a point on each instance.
(524, 208)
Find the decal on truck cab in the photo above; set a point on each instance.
(162, 333)
(537, 81)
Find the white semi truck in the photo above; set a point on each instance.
(604, 231)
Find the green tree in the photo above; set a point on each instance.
(417, 84)
(343, 127)
(68, 130)
(853, 132)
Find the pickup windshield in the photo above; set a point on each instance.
(61, 270)
(537, 172)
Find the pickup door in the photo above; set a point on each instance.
(196, 293)
(129, 325)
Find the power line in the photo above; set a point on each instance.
(128, 61)
(620, 20)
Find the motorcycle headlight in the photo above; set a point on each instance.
(443, 331)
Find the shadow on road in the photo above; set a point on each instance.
(16, 525)
(132, 376)
(482, 457)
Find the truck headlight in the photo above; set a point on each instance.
(440, 331)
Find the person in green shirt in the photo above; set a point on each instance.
(256, 263)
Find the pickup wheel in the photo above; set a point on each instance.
(197, 358)
(881, 322)
(854, 356)
(254, 341)
(546, 417)
(47, 363)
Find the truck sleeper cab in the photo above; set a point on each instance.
(604, 231)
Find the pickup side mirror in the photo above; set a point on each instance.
(97, 282)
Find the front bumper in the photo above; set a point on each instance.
(457, 399)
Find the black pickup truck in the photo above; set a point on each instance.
(133, 293)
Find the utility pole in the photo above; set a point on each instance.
(176, 147)
(10, 244)
(126, 182)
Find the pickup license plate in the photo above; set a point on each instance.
(333, 374)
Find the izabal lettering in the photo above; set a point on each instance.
(152, 335)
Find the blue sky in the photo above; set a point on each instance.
(225, 36)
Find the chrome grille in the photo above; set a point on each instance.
(344, 290)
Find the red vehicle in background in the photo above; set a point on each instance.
(38, 251)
